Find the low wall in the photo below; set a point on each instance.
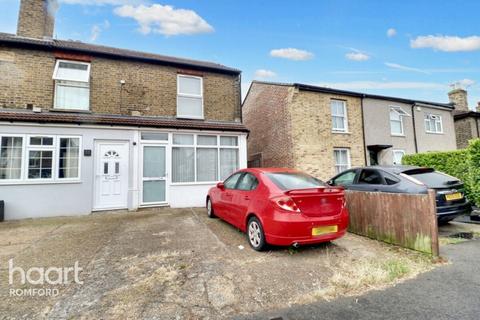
(407, 220)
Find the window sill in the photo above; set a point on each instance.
(69, 110)
(193, 183)
(341, 132)
(33, 182)
(189, 118)
(398, 135)
(431, 132)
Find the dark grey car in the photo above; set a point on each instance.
(451, 201)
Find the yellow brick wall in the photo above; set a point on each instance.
(313, 139)
(26, 78)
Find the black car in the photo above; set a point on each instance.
(451, 200)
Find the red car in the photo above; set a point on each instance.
(279, 207)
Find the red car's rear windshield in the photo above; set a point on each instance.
(294, 180)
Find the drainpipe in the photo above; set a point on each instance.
(414, 129)
(363, 130)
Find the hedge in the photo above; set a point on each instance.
(463, 164)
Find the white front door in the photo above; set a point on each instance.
(111, 175)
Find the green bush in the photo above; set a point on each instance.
(462, 164)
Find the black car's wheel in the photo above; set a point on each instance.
(255, 235)
(210, 212)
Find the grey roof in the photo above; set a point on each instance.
(98, 50)
(320, 89)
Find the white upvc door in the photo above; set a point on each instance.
(154, 175)
(111, 175)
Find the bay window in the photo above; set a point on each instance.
(203, 157)
(72, 85)
(189, 97)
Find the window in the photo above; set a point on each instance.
(11, 149)
(397, 156)
(72, 85)
(40, 158)
(203, 158)
(69, 158)
(189, 97)
(231, 182)
(390, 179)
(339, 115)
(433, 123)
(345, 178)
(342, 159)
(247, 182)
(158, 136)
(370, 177)
(396, 121)
(294, 180)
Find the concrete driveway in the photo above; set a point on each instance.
(178, 264)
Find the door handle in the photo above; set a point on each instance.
(246, 198)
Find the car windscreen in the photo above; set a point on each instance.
(294, 180)
(435, 179)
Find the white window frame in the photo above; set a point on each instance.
(55, 148)
(56, 83)
(349, 161)
(57, 175)
(428, 118)
(395, 151)
(401, 113)
(195, 146)
(22, 164)
(186, 95)
(344, 116)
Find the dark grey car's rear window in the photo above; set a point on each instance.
(435, 179)
(294, 180)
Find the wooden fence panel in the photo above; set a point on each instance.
(407, 220)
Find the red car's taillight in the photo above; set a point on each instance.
(286, 203)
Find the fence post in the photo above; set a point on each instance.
(434, 223)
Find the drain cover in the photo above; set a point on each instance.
(462, 235)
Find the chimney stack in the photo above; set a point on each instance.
(459, 98)
(36, 18)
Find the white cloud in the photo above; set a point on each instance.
(104, 2)
(97, 29)
(391, 32)
(292, 54)
(404, 68)
(447, 43)
(263, 73)
(165, 20)
(357, 56)
(365, 85)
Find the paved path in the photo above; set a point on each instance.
(448, 292)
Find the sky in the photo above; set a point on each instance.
(411, 49)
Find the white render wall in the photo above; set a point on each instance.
(48, 199)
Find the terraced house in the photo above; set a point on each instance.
(324, 131)
(86, 127)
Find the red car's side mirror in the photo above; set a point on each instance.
(221, 186)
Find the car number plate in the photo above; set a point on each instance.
(453, 196)
(318, 231)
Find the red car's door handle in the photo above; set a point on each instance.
(247, 198)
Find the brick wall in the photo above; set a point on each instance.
(312, 133)
(265, 115)
(465, 130)
(26, 78)
(292, 128)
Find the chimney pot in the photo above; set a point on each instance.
(478, 106)
(36, 18)
(459, 98)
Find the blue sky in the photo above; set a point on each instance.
(412, 49)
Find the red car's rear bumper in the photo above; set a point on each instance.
(288, 228)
